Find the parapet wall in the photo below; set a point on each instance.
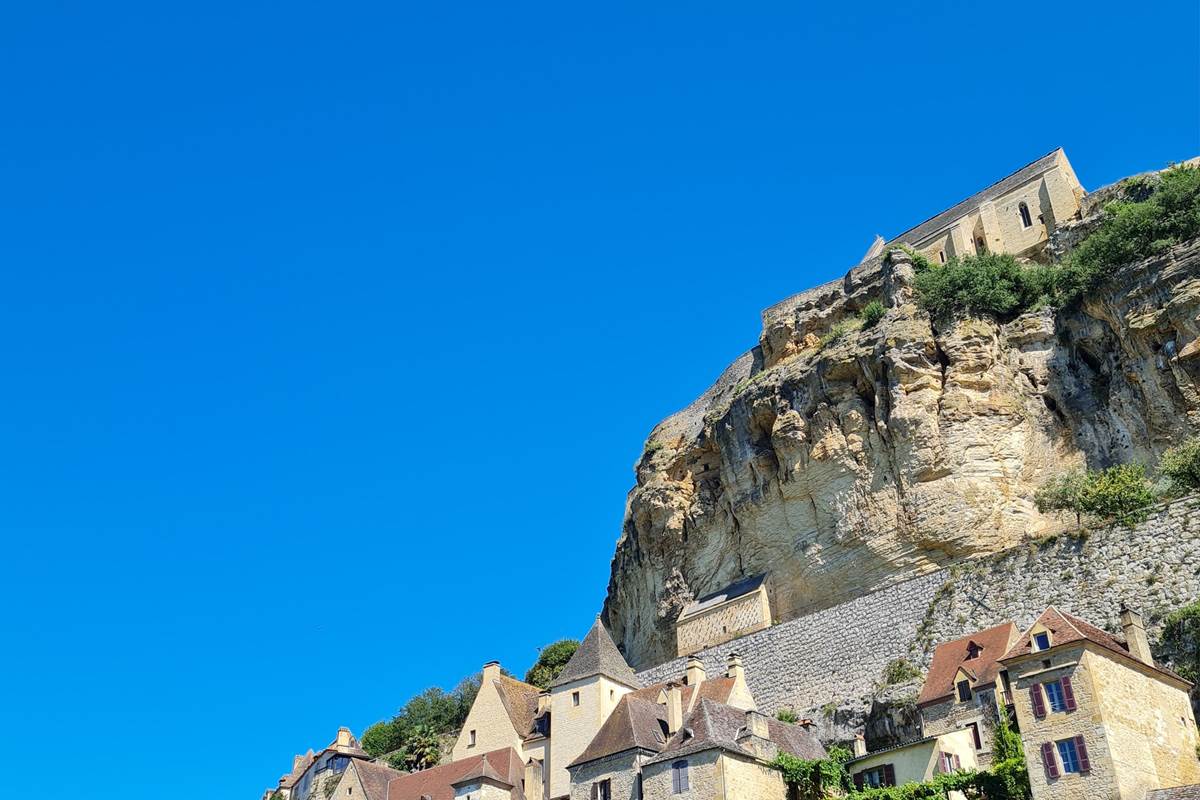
(839, 654)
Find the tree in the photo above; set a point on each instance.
(1063, 493)
(1182, 465)
(382, 737)
(551, 660)
(1180, 641)
(1119, 493)
(1008, 779)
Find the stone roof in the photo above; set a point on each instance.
(438, 782)
(731, 592)
(483, 771)
(1068, 629)
(374, 778)
(713, 725)
(520, 701)
(597, 655)
(302, 763)
(1191, 792)
(998, 189)
(635, 724)
(950, 656)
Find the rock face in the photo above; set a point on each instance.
(842, 464)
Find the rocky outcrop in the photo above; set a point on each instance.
(842, 464)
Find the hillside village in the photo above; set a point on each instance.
(1052, 690)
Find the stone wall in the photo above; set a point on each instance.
(711, 627)
(829, 664)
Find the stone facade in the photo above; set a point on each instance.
(831, 661)
(723, 622)
(1138, 728)
(950, 716)
(715, 775)
(488, 722)
(621, 770)
(575, 724)
(920, 761)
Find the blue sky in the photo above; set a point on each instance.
(333, 331)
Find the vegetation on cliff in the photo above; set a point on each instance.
(551, 660)
(432, 713)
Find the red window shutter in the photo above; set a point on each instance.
(1039, 703)
(889, 775)
(1081, 749)
(1068, 695)
(858, 781)
(1048, 760)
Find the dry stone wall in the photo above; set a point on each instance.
(830, 663)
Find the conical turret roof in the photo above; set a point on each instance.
(598, 655)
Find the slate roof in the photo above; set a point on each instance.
(635, 724)
(716, 725)
(1191, 792)
(520, 700)
(438, 782)
(731, 592)
(597, 655)
(949, 656)
(996, 190)
(1066, 629)
(374, 778)
(289, 779)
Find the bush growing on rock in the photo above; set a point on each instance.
(871, 314)
(1181, 464)
(990, 284)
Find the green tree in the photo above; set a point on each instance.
(1182, 465)
(989, 284)
(422, 750)
(1180, 641)
(380, 738)
(1121, 493)
(551, 660)
(1008, 779)
(1063, 493)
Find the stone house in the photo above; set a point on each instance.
(1014, 215)
(497, 775)
(364, 779)
(1098, 717)
(912, 762)
(501, 716)
(740, 608)
(312, 771)
(962, 690)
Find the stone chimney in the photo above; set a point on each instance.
(296, 762)
(543, 701)
(491, 671)
(756, 724)
(735, 670)
(695, 671)
(1135, 635)
(860, 745)
(674, 707)
(343, 737)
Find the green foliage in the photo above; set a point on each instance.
(1008, 778)
(1181, 464)
(787, 715)
(422, 750)
(871, 313)
(990, 284)
(1180, 641)
(900, 670)
(330, 785)
(1133, 230)
(816, 778)
(1121, 493)
(433, 710)
(965, 781)
(919, 260)
(551, 660)
(380, 738)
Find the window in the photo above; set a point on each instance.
(941, 256)
(1041, 641)
(349, 790)
(471, 739)
(1054, 694)
(612, 694)
(876, 777)
(638, 796)
(574, 698)
(949, 762)
(974, 728)
(1072, 756)
(973, 650)
(1026, 220)
(964, 691)
(602, 790)
(679, 777)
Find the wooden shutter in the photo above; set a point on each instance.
(1039, 702)
(858, 781)
(889, 775)
(1081, 749)
(675, 779)
(1049, 761)
(1068, 695)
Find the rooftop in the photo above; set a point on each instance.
(731, 592)
(597, 655)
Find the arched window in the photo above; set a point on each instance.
(1026, 220)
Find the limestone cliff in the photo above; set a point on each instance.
(844, 466)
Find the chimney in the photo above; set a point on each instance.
(674, 707)
(296, 762)
(343, 737)
(736, 670)
(1135, 635)
(860, 745)
(756, 724)
(695, 671)
(491, 671)
(543, 701)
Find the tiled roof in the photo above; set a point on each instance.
(949, 656)
(1191, 792)
(731, 592)
(520, 700)
(374, 778)
(438, 782)
(598, 655)
(483, 771)
(996, 190)
(1067, 628)
(716, 725)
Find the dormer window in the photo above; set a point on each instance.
(1041, 640)
(973, 651)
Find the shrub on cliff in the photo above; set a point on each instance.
(990, 284)
(551, 660)
(871, 313)
(1121, 493)
(1181, 464)
(1180, 641)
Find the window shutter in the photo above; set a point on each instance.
(595, 791)
(683, 777)
(889, 775)
(675, 779)
(858, 781)
(1081, 748)
(1039, 704)
(1048, 760)
(1068, 695)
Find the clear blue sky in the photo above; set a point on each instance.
(333, 331)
